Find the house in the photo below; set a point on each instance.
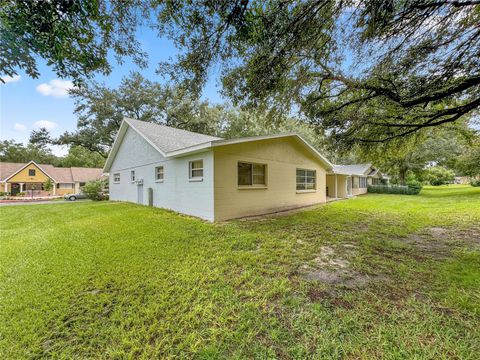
(350, 180)
(21, 177)
(213, 178)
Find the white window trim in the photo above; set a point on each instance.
(305, 191)
(133, 176)
(190, 170)
(156, 173)
(253, 186)
(116, 181)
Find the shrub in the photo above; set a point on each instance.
(93, 190)
(396, 189)
(475, 182)
(21, 194)
(439, 175)
(48, 185)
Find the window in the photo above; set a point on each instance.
(132, 176)
(306, 179)
(159, 173)
(355, 182)
(196, 169)
(363, 182)
(116, 178)
(250, 174)
(65, 186)
(31, 172)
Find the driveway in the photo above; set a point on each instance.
(39, 202)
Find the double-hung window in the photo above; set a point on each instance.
(159, 173)
(306, 179)
(116, 178)
(363, 182)
(250, 174)
(132, 176)
(195, 170)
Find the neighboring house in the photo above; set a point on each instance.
(350, 180)
(213, 178)
(19, 177)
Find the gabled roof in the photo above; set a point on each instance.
(171, 142)
(23, 166)
(168, 139)
(57, 174)
(355, 169)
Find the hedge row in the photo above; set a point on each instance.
(395, 189)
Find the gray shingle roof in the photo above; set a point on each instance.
(169, 139)
(355, 169)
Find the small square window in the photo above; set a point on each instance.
(132, 176)
(159, 173)
(196, 169)
(31, 172)
(116, 178)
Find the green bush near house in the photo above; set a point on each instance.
(94, 190)
(410, 189)
(475, 182)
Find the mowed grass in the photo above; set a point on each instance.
(115, 280)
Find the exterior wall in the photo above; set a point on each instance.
(282, 157)
(356, 190)
(23, 177)
(176, 192)
(65, 189)
(341, 183)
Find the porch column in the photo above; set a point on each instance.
(336, 187)
(54, 188)
(21, 187)
(6, 186)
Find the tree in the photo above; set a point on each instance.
(74, 37)
(48, 185)
(468, 163)
(40, 138)
(439, 175)
(101, 110)
(79, 156)
(11, 151)
(422, 69)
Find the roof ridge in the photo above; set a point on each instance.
(169, 127)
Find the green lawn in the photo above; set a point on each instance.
(387, 276)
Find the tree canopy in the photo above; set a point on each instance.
(74, 37)
(366, 71)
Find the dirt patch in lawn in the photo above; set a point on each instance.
(331, 268)
(440, 242)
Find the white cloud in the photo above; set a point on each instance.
(49, 125)
(55, 87)
(20, 127)
(11, 79)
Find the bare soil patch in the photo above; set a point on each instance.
(332, 267)
(440, 242)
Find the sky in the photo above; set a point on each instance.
(27, 104)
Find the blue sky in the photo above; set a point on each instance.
(27, 104)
